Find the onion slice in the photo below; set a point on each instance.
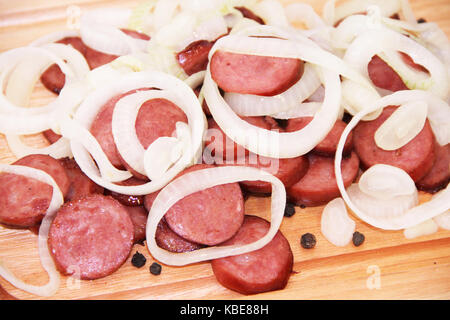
(439, 203)
(202, 179)
(384, 182)
(422, 229)
(402, 126)
(90, 107)
(46, 259)
(336, 225)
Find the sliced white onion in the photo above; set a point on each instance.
(387, 8)
(306, 109)
(100, 30)
(443, 220)
(407, 11)
(438, 204)
(254, 105)
(422, 229)
(356, 97)
(373, 42)
(272, 12)
(404, 124)
(123, 125)
(57, 150)
(164, 12)
(202, 179)
(335, 224)
(382, 209)
(94, 102)
(46, 259)
(384, 182)
(21, 121)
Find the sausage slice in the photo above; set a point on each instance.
(318, 186)
(439, 175)
(327, 147)
(252, 74)
(91, 237)
(416, 157)
(266, 269)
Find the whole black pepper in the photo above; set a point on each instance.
(138, 260)
(421, 20)
(302, 206)
(308, 241)
(155, 269)
(289, 210)
(358, 239)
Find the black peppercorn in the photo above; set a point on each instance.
(138, 260)
(289, 210)
(358, 239)
(155, 269)
(308, 241)
(421, 20)
(302, 206)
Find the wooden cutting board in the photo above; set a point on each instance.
(386, 266)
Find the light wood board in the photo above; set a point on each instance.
(386, 266)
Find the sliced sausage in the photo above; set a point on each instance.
(80, 184)
(101, 129)
(194, 58)
(247, 13)
(23, 201)
(251, 74)
(416, 157)
(318, 186)
(156, 118)
(53, 78)
(129, 200)
(265, 269)
(327, 147)
(289, 171)
(222, 147)
(97, 59)
(91, 237)
(138, 216)
(170, 241)
(51, 136)
(51, 166)
(207, 217)
(383, 76)
(439, 175)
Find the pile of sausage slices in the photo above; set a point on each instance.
(167, 115)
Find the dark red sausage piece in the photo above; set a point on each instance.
(251, 74)
(51, 166)
(210, 216)
(383, 76)
(23, 201)
(54, 79)
(129, 200)
(327, 147)
(101, 129)
(51, 136)
(139, 217)
(439, 175)
(170, 241)
(416, 157)
(262, 270)
(91, 237)
(80, 184)
(247, 13)
(156, 118)
(167, 239)
(222, 147)
(318, 186)
(289, 171)
(194, 58)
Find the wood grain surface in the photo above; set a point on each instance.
(386, 266)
